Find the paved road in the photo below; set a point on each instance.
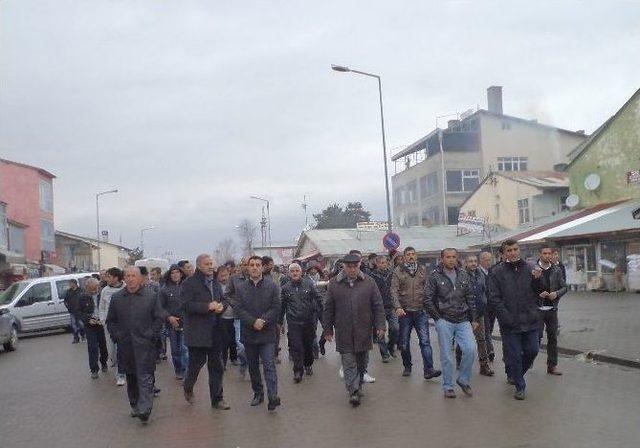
(47, 399)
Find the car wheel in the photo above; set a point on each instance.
(12, 344)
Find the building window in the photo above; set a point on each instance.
(523, 211)
(428, 185)
(412, 192)
(46, 196)
(3, 226)
(512, 163)
(452, 215)
(462, 180)
(431, 216)
(47, 235)
(16, 239)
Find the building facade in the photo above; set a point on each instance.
(438, 172)
(80, 254)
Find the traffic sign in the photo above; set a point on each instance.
(391, 241)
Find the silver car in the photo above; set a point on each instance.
(8, 331)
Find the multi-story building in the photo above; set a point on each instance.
(26, 211)
(79, 253)
(439, 171)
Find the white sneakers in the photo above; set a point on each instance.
(366, 378)
(120, 380)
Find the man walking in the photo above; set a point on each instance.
(258, 307)
(71, 298)
(203, 303)
(352, 309)
(300, 303)
(381, 274)
(514, 287)
(449, 301)
(134, 319)
(88, 313)
(553, 287)
(230, 293)
(114, 278)
(484, 262)
(407, 292)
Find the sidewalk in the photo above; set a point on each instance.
(604, 323)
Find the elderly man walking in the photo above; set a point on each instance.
(204, 302)
(134, 319)
(352, 309)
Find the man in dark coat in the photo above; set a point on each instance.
(71, 298)
(514, 286)
(382, 276)
(300, 303)
(88, 304)
(204, 302)
(553, 288)
(257, 305)
(134, 319)
(353, 308)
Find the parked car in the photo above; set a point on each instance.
(8, 330)
(38, 303)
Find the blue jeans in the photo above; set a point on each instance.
(521, 350)
(96, 346)
(419, 321)
(266, 352)
(387, 345)
(179, 351)
(242, 356)
(77, 326)
(463, 335)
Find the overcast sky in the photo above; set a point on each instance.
(189, 107)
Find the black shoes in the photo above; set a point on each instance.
(273, 403)
(297, 377)
(308, 370)
(321, 346)
(257, 399)
(354, 399)
(485, 370)
(156, 392)
(519, 395)
(465, 388)
(94, 375)
(432, 373)
(221, 405)
(385, 359)
(188, 395)
(511, 381)
(105, 369)
(406, 371)
(492, 357)
(144, 418)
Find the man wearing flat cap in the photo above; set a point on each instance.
(352, 309)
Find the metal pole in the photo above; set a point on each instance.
(444, 181)
(384, 155)
(98, 228)
(269, 227)
(142, 241)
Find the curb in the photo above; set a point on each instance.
(591, 355)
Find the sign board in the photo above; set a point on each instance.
(472, 224)
(391, 241)
(371, 226)
(633, 177)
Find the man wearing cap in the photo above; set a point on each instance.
(353, 307)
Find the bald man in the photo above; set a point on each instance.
(134, 320)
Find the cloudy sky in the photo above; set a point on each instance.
(189, 107)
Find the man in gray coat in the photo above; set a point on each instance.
(353, 309)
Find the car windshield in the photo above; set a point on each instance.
(9, 294)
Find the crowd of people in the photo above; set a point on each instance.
(219, 315)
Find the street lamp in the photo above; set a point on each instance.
(142, 237)
(342, 68)
(98, 222)
(268, 218)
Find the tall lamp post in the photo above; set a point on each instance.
(341, 68)
(268, 219)
(102, 193)
(142, 237)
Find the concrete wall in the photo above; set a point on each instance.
(544, 147)
(611, 155)
(20, 189)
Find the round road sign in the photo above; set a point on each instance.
(391, 241)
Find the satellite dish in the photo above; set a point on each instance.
(592, 182)
(572, 200)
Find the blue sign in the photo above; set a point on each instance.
(391, 241)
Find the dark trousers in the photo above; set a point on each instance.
(140, 391)
(212, 356)
(489, 323)
(387, 345)
(230, 350)
(419, 321)
(266, 352)
(521, 350)
(301, 338)
(549, 319)
(97, 346)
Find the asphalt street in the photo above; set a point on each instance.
(47, 399)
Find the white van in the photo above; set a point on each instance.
(38, 303)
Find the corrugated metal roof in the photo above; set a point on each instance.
(338, 242)
(540, 179)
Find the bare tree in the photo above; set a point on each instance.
(247, 230)
(226, 250)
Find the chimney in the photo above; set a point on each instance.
(494, 99)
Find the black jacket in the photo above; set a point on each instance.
(443, 299)
(383, 280)
(170, 300)
(199, 322)
(514, 296)
(479, 290)
(71, 299)
(86, 307)
(134, 321)
(257, 301)
(552, 280)
(300, 302)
